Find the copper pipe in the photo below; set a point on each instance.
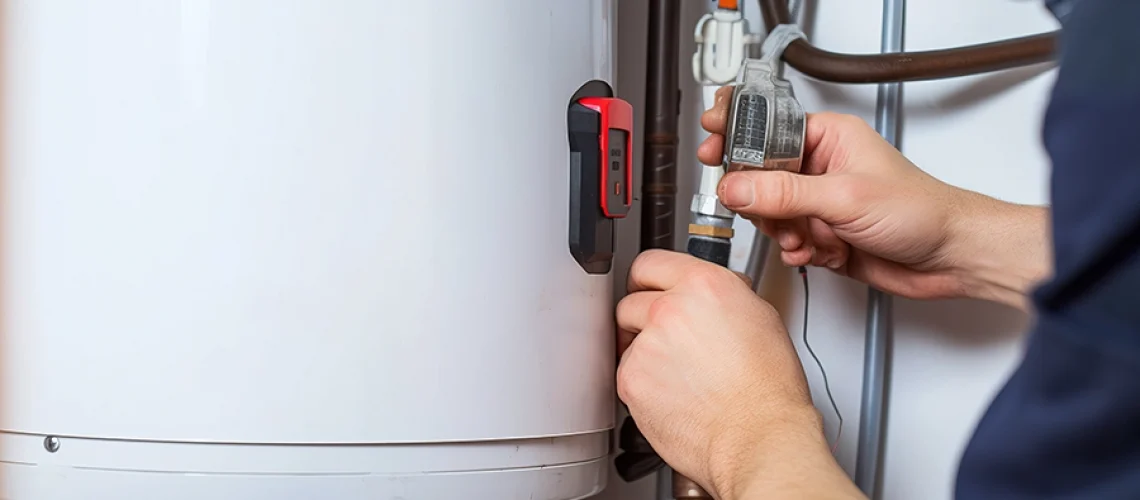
(662, 107)
(659, 186)
(908, 66)
(687, 489)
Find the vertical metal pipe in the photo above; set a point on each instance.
(761, 243)
(757, 258)
(877, 350)
(662, 96)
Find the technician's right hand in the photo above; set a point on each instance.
(865, 211)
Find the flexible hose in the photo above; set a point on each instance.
(908, 66)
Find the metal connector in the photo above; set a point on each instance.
(709, 205)
(705, 201)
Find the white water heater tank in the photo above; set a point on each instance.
(312, 249)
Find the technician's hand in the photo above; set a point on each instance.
(865, 211)
(712, 379)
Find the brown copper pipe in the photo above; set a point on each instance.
(686, 489)
(659, 166)
(908, 66)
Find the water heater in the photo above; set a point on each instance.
(336, 249)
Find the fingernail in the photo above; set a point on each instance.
(784, 238)
(735, 192)
(834, 264)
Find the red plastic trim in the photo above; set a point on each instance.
(616, 114)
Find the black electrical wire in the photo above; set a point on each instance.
(822, 370)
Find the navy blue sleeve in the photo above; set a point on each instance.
(1067, 423)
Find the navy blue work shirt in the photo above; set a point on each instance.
(1067, 423)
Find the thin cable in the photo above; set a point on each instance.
(822, 370)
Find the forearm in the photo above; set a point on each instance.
(1004, 249)
(793, 462)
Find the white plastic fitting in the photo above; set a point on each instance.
(722, 44)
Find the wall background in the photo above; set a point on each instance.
(980, 133)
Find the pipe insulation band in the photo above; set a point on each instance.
(711, 231)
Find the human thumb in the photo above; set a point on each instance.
(774, 194)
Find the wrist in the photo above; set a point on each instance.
(789, 458)
(1001, 249)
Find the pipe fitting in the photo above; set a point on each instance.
(709, 205)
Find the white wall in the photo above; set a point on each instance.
(980, 133)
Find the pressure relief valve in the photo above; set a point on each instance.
(765, 121)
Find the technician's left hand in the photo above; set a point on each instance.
(710, 375)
